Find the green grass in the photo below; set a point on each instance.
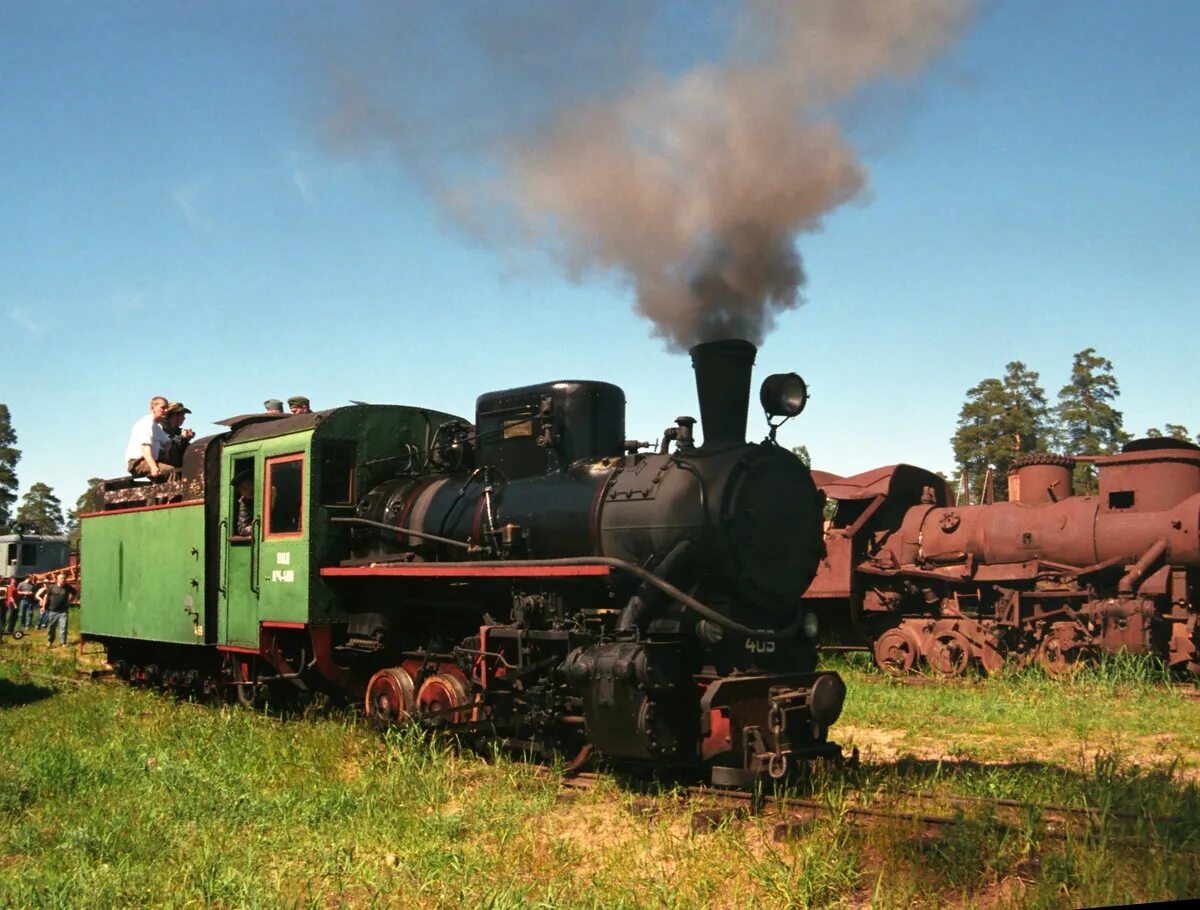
(112, 797)
(1123, 704)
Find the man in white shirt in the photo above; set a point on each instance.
(146, 441)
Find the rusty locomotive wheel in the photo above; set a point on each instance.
(992, 656)
(390, 697)
(897, 651)
(988, 645)
(440, 699)
(1056, 658)
(950, 654)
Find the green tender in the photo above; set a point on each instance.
(149, 575)
(138, 579)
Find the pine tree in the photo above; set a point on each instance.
(1088, 423)
(9, 456)
(1170, 431)
(1001, 419)
(40, 511)
(91, 500)
(1177, 431)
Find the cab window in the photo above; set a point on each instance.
(284, 503)
(337, 474)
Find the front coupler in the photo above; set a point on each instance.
(770, 726)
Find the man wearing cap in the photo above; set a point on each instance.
(273, 406)
(299, 405)
(145, 443)
(243, 486)
(178, 438)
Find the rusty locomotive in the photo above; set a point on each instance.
(1047, 576)
(532, 579)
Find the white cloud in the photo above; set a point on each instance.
(303, 184)
(188, 197)
(302, 178)
(22, 317)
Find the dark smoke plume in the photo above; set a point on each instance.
(554, 128)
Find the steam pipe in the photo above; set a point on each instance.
(1135, 572)
(647, 597)
(448, 541)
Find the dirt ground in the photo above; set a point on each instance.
(880, 745)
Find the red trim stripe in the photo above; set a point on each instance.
(169, 505)
(433, 570)
(237, 650)
(283, 625)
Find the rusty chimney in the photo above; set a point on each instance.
(723, 387)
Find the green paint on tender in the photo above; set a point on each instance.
(144, 574)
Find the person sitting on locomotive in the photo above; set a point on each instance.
(299, 405)
(178, 438)
(273, 406)
(145, 443)
(243, 485)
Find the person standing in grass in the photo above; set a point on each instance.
(10, 605)
(28, 603)
(54, 598)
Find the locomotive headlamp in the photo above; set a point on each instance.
(811, 625)
(783, 395)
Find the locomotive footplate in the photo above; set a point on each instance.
(756, 727)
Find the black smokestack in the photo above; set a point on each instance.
(723, 387)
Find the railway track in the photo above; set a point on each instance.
(793, 816)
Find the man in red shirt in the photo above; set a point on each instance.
(10, 606)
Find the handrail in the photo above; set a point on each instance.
(255, 554)
(223, 536)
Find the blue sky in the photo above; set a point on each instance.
(172, 222)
